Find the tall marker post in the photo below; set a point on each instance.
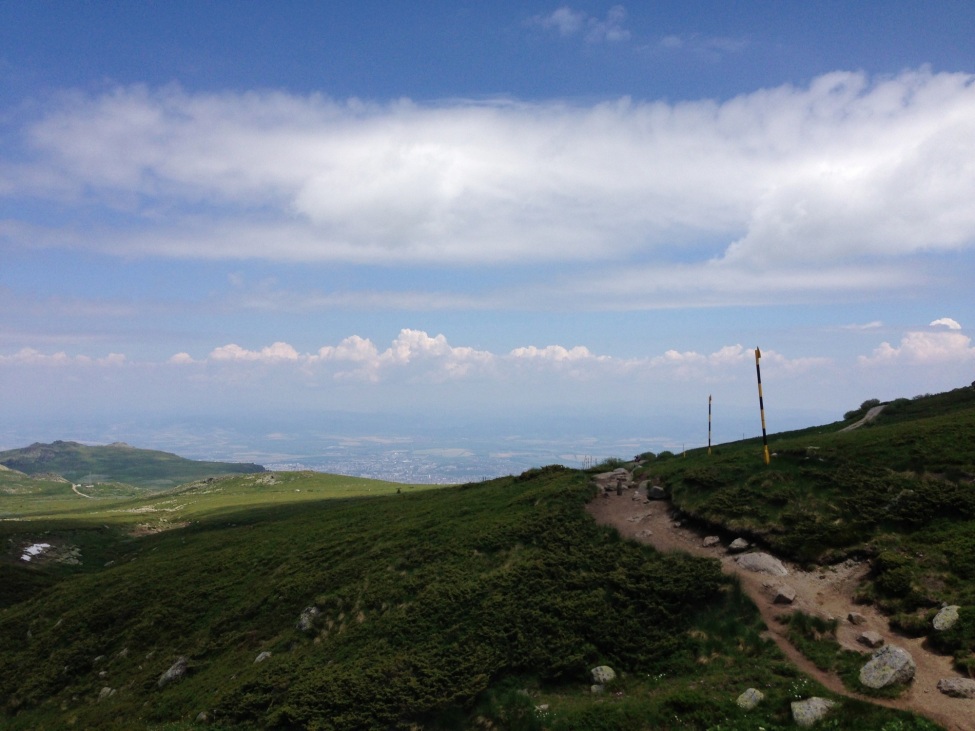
(709, 425)
(761, 403)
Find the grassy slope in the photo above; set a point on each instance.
(116, 463)
(898, 490)
(437, 607)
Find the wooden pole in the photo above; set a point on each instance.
(709, 424)
(761, 404)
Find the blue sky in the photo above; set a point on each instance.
(476, 211)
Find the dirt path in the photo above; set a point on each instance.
(78, 492)
(827, 592)
(872, 414)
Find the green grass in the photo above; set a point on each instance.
(899, 490)
(149, 469)
(443, 608)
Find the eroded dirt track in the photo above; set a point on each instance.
(827, 592)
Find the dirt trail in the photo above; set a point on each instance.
(827, 592)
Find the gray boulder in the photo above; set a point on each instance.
(711, 541)
(656, 492)
(106, 693)
(856, 618)
(761, 563)
(176, 671)
(890, 665)
(262, 657)
(806, 713)
(946, 618)
(957, 687)
(750, 698)
(603, 674)
(306, 620)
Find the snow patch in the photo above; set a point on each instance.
(34, 550)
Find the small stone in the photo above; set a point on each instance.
(957, 687)
(711, 541)
(106, 693)
(871, 639)
(596, 688)
(656, 492)
(176, 671)
(202, 717)
(750, 698)
(784, 594)
(738, 545)
(262, 657)
(856, 618)
(306, 620)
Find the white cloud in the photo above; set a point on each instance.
(946, 322)
(33, 357)
(565, 20)
(273, 353)
(800, 181)
(924, 348)
(568, 22)
(872, 325)
(553, 353)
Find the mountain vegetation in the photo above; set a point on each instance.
(116, 462)
(307, 601)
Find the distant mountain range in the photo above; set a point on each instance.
(116, 462)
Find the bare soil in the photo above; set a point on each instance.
(826, 591)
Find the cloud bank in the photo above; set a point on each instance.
(796, 180)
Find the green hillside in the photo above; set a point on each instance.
(898, 491)
(117, 462)
(479, 606)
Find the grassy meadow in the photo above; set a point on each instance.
(475, 606)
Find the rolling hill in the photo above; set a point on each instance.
(116, 462)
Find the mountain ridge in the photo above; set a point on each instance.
(116, 462)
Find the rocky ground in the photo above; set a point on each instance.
(826, 591)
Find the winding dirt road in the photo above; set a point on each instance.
(827, 592)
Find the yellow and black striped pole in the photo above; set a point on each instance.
(709, 424)
(761, 403)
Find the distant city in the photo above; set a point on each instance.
(408, 450)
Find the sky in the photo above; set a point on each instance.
(523, 218)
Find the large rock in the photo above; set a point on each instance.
(761, 563)
(946, 618)
(738, 545)
(750, 698)
(890, 665)
(806, 713)
(957, 687)
(603, 674)
(176, 671)
(656, 492)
